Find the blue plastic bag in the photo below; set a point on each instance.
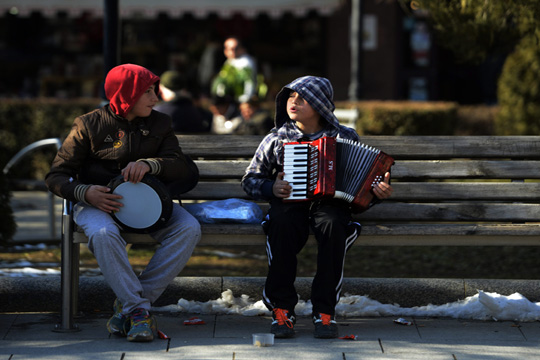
(226, 211)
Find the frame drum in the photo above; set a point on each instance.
(147, 204)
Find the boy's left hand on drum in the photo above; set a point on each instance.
(135, 171)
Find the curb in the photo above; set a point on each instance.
(43, 294)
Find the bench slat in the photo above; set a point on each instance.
(216, 191)
(403, 191)
(405, 169)
(216, 146)
(467, 191)
(401, 147)
(411, 169)
(466, 169)
(444, 212)
(216, 169)
(376, 235)
(444, 147)
(389, 212)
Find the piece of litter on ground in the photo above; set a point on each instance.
(348, 337)
(162, 335)
(194, 321)
(402, 321)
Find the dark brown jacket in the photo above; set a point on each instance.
(101, 143)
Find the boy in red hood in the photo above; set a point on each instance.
(127, 137)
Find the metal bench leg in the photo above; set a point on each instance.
(75, 272)
(67, 272)
(52, 217)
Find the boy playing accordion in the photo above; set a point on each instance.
(304, 112)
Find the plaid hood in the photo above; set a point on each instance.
(125, 85)
(318, 93)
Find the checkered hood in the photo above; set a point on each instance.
(317, 91)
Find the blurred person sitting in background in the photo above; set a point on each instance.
(226, 115)
(179, 105)
(255, 120)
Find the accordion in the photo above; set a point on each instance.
(334, 168)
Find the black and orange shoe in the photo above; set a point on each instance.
(282, 323)
(325, 326)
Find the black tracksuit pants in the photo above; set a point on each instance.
(287, 228)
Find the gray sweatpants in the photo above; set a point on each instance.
(177, 242)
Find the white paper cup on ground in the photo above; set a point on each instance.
(263, 340)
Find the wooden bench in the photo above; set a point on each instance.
(448, 190)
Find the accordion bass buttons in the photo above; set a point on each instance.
(376, 180)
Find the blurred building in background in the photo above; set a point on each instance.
(54, 48)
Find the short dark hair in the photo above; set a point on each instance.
(240, 42)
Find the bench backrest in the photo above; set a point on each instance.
(443, 179)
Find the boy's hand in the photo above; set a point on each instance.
(101, 198)
(383, 190)
(135, 170)
(281, 188)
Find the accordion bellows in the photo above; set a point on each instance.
(334, 168)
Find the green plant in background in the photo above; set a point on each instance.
(474, 29)
(23, 122)
(477, 29)
(406, 118)
(476, 119)
(519, 91)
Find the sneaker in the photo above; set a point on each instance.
(143, 326)
(118, 324)
(282, 323)
(325, 326)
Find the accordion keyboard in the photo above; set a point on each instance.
(301, 170)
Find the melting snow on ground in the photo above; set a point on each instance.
(482, 306)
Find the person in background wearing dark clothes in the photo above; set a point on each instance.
(255, 120)
(178, 104)
(226, 115)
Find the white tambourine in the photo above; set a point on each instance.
(147, 204)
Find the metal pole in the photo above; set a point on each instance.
(356, 50)
(52, 217)
(66, 313)
(111, 40)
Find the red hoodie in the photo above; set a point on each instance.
(125, 84)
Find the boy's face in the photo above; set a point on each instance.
(143, 107)
(300, 111)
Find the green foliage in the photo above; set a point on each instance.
(476, 120)
(519, 91)
(474, 29)
(405, 118)
(23, 122)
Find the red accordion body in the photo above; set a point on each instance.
(334, 168)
